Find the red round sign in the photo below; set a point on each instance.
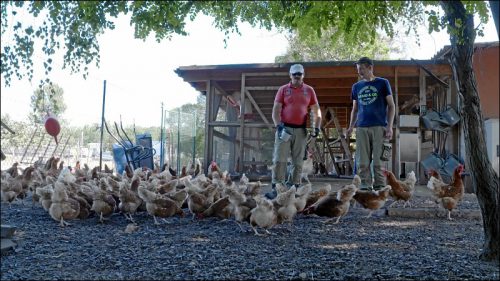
(52, 127)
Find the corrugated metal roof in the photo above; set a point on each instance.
(250, 66)
(444, 52)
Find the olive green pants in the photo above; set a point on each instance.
(296, 145)
(369, 142)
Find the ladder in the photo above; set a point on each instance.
(344, 144)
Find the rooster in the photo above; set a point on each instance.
(372, 200)
(401, 190)
(63, 207)
(307, 167)
(159, 205)
(129, 201)
(244, 179)
(241, 206)
(285, 205)
(178, 196)
(450, 194)
(45, 195)
(11, 187)
(334, 204)
(198, 202)
(220, 208)
(183, 171)
(317, 194)
(301, 197)
(104, 204)
(263, 215)
(13, 171)
(434, 173)
(214, 169)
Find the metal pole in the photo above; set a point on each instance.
(179, 142)
(57, 145)
(80, 147)
(102, 125)
(194, 138)
(162, 123)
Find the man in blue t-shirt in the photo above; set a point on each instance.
(372, 114)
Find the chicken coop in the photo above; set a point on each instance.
(239, 100)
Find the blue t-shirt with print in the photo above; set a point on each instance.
(372, 106)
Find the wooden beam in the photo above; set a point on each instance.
(258, 109)
(263, 88)
(431, 74)
(208, 157)
(220, 89)
(422, 98)
(253, 74)
(229, 139)
(237, 124)
(396, 162)
(242, 124)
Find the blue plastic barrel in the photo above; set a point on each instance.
(119, 158)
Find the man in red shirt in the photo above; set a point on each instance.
(291, 106)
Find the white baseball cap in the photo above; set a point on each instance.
(296, 68)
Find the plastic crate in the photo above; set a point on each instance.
(433, 161)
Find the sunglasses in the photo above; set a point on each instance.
(297, 74)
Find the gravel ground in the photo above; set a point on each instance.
(358, 248)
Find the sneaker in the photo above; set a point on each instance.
(271, 194)
(378, 187)
(366, 188)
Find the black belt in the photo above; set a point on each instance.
(294, 126)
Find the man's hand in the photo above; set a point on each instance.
(349, 131)
(315, 133)
(280, 128)
(388, 132)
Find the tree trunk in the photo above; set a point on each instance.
(484, 179)
(494, 7)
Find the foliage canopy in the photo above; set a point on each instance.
(74, 26)
(47, 99)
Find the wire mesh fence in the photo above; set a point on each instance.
(34, 144)
(183, 138)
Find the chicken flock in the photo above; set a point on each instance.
(80, 193)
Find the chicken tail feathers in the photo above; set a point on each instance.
(146, 195)
(430, 183)
(356, 181)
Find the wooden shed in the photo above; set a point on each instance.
(485, 62)
(239, 98)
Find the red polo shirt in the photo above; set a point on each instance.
(295, 102)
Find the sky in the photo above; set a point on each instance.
(140, 75)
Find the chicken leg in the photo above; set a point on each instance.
(256, 232)
(331, 219)
(102, 218)
(241, 228)
(396, 201)
(156, 222)
(269, 232)
(63, 223)
(129, 217)
(369, 214)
